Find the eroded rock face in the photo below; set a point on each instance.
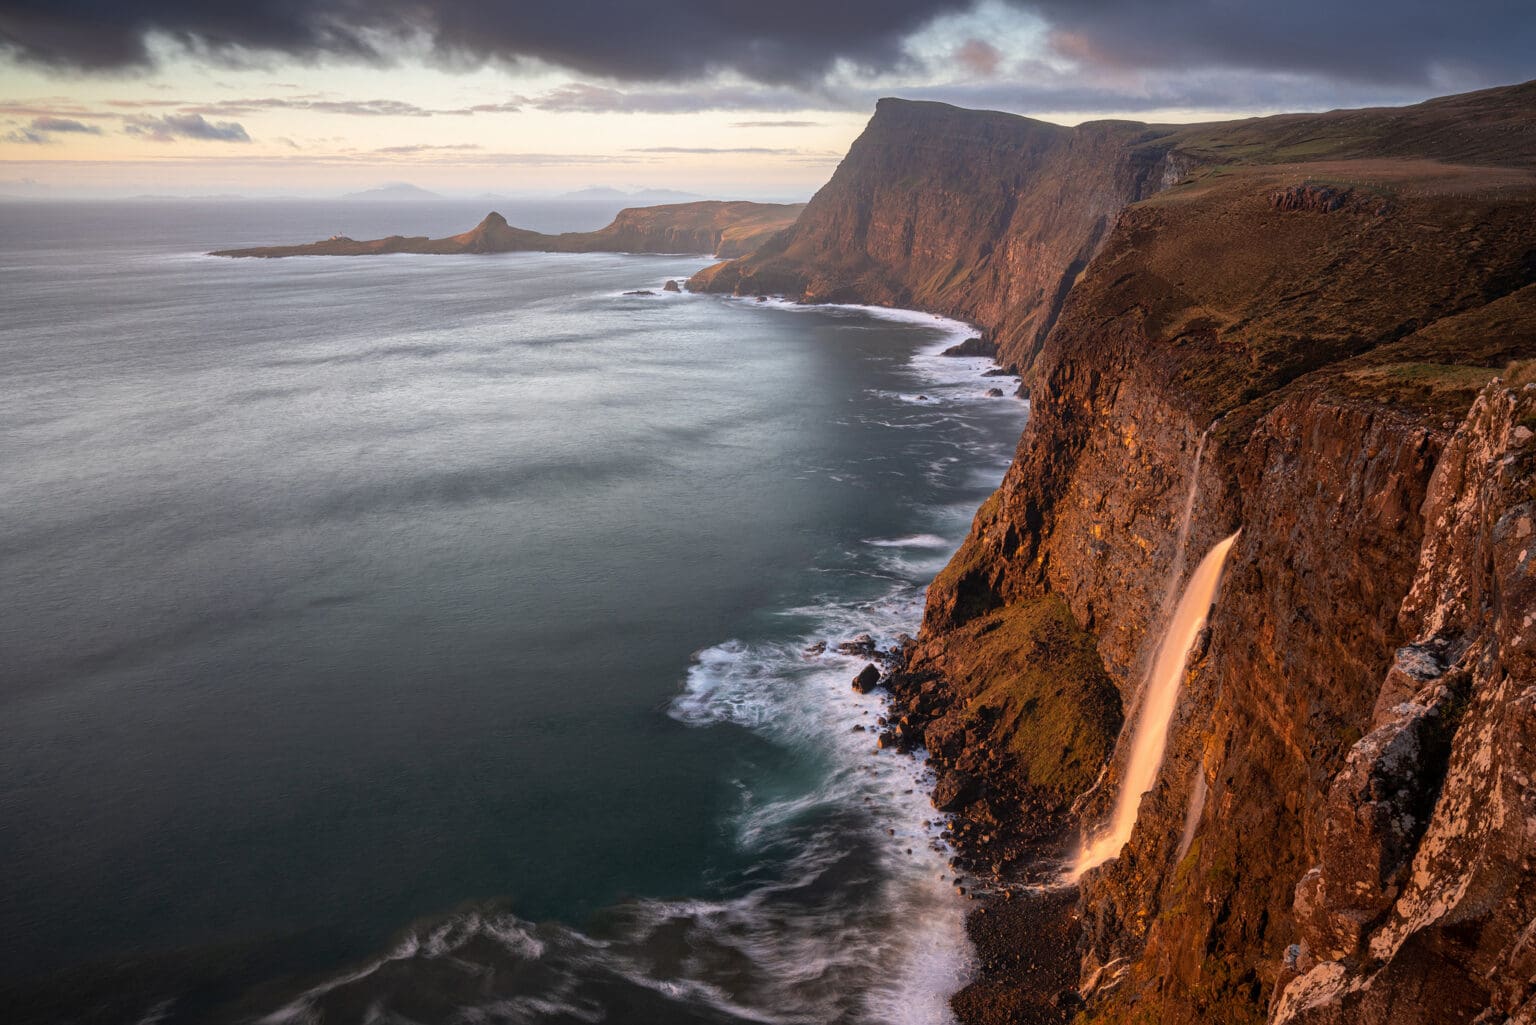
(975, 214)
(1422, 906)
(1304, 355)
(1325, 199)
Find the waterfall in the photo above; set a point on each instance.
(1150, 736)
(1197, 790)
(1181, 543)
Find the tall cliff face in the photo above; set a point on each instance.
(979, 215)
(1340, 830)
(1420, 905)
(1329, 391)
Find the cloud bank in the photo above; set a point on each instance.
(170, 127)
(1064, 58)
(655, 41)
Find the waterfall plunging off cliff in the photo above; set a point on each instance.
(1181, 544)
(1150, 736)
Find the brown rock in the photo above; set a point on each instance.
(953, 790)
(867, 679)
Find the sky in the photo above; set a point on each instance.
(759, 100)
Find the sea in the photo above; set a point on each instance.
(438, 638)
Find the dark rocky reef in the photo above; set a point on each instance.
(724, 229)
(1325, 322)
(973, 347)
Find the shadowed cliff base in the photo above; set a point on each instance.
(723, 228)
(1345, 301)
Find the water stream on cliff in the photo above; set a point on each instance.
(425, 638)
(1149, 736)
(1181, 542)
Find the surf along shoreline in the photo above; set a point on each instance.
(918, 947)
(1021, 918)
(1001, 902)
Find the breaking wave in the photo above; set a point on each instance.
(844, 911)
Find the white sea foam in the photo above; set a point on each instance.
(858, 923)
(920, 952)
(784, 692)
(910, 541)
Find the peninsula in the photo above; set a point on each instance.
(725, 229)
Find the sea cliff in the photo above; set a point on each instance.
(1313, 331)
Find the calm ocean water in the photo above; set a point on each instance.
(422, 638)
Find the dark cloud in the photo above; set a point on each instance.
(258, 105)
(170, 127)
(585, 98)
(62, 124)
(1385, 42)
(46, 108)
(356, 108)
(43, 128)
(675, 56)
(1024, 89)
(509, 107)
(654, 41)
(422, 147)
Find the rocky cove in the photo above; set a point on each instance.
(1313, 332)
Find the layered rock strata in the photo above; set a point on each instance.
(1333, 311)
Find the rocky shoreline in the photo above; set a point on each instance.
(1008, 842)
(1294, 329)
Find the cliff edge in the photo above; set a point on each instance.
(992, 217)
(1314, 332)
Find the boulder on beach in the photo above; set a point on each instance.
(867, 678)
(952, 790)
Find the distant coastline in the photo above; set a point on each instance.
(725, 229)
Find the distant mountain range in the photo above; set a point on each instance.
(394, 191)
